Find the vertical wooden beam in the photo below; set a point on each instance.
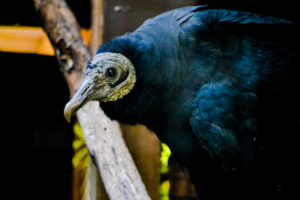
(97, 25)
(181, 185)
(144, 147)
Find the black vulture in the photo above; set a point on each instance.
(219, 87)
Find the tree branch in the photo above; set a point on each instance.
(103, 137)
(64, 34)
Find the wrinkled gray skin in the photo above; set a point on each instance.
(100, 84)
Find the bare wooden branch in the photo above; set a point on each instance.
(103, 137)
(64, 34)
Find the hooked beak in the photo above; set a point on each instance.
(83, 95)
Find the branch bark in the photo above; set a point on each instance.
(103, 136)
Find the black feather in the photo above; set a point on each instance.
(220, 88)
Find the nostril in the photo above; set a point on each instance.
(85, 89)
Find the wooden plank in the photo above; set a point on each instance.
(24, 40)
(32, 40)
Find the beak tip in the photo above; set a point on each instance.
(67, 114)
(68, 119)
(70, 110)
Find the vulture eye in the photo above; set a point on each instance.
(111, 72)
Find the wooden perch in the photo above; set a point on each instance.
(103, 137)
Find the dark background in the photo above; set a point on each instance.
(37, 140)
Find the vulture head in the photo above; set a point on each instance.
(109, 77)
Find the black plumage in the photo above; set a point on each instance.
(220, 88)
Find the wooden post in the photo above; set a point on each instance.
(144, 147)
(103, 137)
(181, 185)
(97, 25)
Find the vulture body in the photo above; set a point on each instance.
(219, 87)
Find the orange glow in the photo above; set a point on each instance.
(22, 39)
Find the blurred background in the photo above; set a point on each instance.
(44, 156)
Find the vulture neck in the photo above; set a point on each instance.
(146, 100)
